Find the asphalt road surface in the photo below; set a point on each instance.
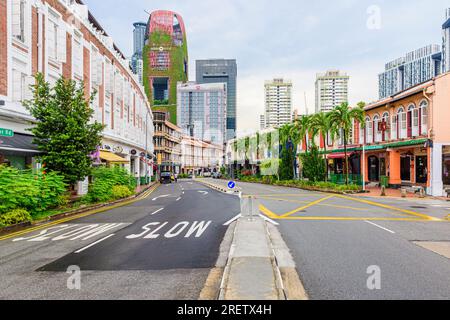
(162, 247)
(360, 247)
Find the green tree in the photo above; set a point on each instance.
(321, 124)
(63, 130)
(342, 118)
(287, 152)
(313, 166)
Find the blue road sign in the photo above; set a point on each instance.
(231, 185)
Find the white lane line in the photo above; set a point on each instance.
(269, 220)
(159, 210)
(203, 192)
(178, 199)
(163, 196)
(232, 220)
(376, 225)
(93, 244)
(182, 192)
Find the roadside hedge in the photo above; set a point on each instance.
(303, 184)
(35, 192)
(15, 217)
(105, 179)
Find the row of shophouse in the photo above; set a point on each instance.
(405, 141)
(63, 38)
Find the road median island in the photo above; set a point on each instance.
(9, 231)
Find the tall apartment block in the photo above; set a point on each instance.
(202, 111)
(446, 42)
(414, 68)
(278, 102)
(331, 90)
(221, 71)
(165, 59)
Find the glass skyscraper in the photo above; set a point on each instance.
(138, 46)
(202, 111)
(221, 71)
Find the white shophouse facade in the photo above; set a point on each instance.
(62, 38)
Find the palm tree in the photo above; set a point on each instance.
(303, 127)
(321, 124)
(342, 118)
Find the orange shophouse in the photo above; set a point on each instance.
(406, 138)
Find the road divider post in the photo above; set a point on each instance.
(249, 207)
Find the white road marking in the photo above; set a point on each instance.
(159, 210)
(203, 192)
(269, 220)
(163, 196)
(178, 199)
(93, 244)
(152, 230)
(232, 220)
(182, 192)
(378, 226)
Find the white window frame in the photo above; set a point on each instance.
(424, 110)
(378, 134)
(369, 130)
(403, 123)
(394, 126)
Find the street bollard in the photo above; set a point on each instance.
(249, 208)
(383, 191)
(403, 193)
(422, 193)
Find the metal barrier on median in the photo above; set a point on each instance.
(249, 207)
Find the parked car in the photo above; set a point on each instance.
(207, 174)
(217, 175)
(166, 178)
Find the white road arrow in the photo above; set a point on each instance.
(203, 192)
(163, 196)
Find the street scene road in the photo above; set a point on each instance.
(161, 247)
(335, 240)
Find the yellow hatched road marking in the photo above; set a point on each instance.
(81, 215)
(359, 219)
(320, 204)
(420, 215)
(309, 205)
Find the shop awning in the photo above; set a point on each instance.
(18, 144)
(340, 155)
(113, 158)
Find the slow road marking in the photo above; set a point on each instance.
(72, 232)
(154, 230)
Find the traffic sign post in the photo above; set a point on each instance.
(231, 185)
(6, 133)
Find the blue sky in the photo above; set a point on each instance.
(294, 39)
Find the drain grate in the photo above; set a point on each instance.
(418, 207)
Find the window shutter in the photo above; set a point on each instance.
(94, 69)
(28, 93)
(62, 41)
(50, 38)
(17, 85)
(15, 18)
(99, 66)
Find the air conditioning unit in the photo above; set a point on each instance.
(2, 102)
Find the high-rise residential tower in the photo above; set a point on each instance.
(221, 71)
(278, 102)
(331, 90)
(414, 68)
(202, 111)
(165, 59)
(446, 42)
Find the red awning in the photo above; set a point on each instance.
(340, 155)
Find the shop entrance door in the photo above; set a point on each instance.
(374, 169)
(421, 169)
(405, 168)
